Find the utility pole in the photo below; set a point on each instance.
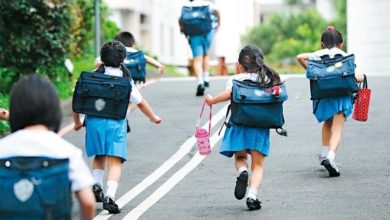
(97, 28)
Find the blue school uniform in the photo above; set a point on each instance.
(105, 136)
(326, 108)
(238, 138)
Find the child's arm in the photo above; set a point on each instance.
(148, 112)
(302, 59)
(87, 203)
(4, 114)
(222, 97)
(154, 62)
(77, 122)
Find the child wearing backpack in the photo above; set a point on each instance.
(127, 39)
(332, 111)
(106, 139)
(240, 140)
(35, 118)
(200, 37)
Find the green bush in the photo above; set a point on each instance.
(35, 41)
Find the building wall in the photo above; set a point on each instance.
(368, 27)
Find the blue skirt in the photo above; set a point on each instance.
(106, 137)
(328, 107)
(238, 138)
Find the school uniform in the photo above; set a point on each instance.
(200, 44)
(43, 143)
(238, 138)
(326, 108)
(108, 137)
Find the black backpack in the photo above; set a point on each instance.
(102, 95)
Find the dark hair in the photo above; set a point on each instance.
(328, 39)
(125, 71)
(125, 38)
(338, 38)
(113, 53)
(252, 60)
(34, 101)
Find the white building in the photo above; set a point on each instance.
(369, 34)
(154, 24)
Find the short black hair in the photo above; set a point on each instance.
(34, 101)
(125, 38)
(113, 53)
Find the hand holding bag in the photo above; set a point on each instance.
(362, 102)
(202, 135)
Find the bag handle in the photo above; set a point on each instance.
(365, 84)
(201, 113)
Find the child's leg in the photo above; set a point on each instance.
(240, 162)
(98, 166)
(198, 69)
(256, 176)
(114, 173)
(326, 133)
(336, 131)
(206, 66)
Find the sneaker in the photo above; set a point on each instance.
(206, 84)
(241, 185)
(321, 158)
(332, 168)
(253, 204)
(110, 206)
(200, 90)
(98, 191)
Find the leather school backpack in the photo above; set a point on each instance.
(196, 20)
(254, 105)
(35, 188)
(135, 62)
(101, 95)
(332, 77)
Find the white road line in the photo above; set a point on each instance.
(153, 177)
(170, 183)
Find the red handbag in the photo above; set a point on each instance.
(362, 102)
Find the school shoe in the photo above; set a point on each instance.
(200, 90)
(110, 206)
(321, 158)
(332, 168)
(241, 185)
(206, 84)
(253, 204)
(98, 192)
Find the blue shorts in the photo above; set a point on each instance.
(200, 44)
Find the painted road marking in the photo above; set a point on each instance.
(168, 164)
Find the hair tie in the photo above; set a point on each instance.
(259, 61)
(330, 28)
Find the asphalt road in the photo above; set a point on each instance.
(167, 179)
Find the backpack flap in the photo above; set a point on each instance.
(331, 67)
(136, 63)
(252, 92)
(196, 20)
(101, 95)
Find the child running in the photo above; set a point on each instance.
(106, 139)
(238, 140)
(332, 111)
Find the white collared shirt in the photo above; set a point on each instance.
(331, 52)
(254, 77)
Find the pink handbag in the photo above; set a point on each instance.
(202, 135)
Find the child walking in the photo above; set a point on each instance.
(106, 139)
(238, 140)
(332, 111)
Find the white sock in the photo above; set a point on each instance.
(252, 193)
(331, 155)
(112, 186)
(324, 151)
(206, 76)
(200, 80)
(241, 169)
(98, 174)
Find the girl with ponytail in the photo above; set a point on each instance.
(238, 141)
(332, 111)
